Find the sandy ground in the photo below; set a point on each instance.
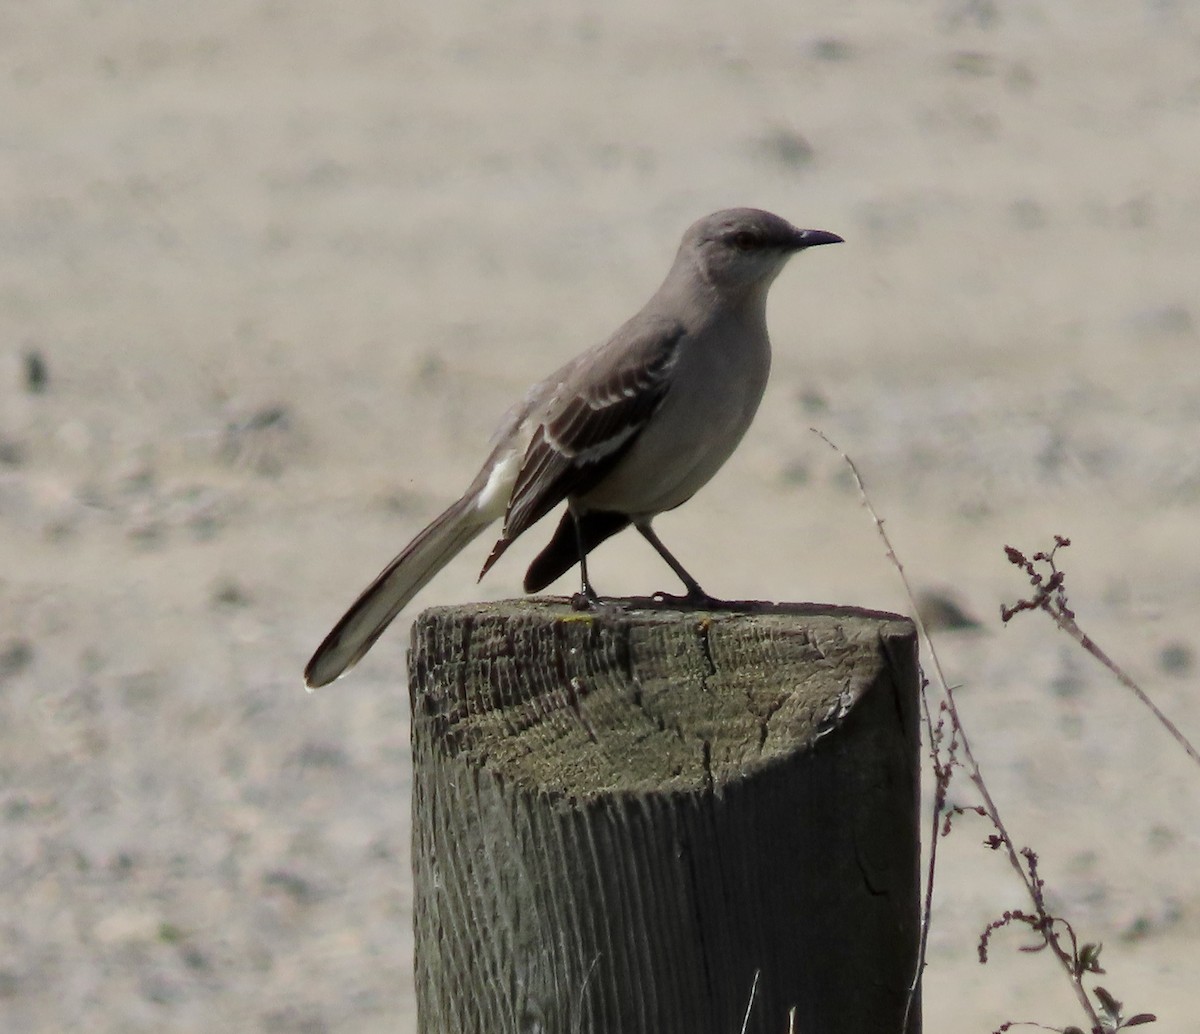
(285, 264)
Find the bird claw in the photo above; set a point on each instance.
(696, 599)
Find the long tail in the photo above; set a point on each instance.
(398, 583)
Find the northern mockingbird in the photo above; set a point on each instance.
(625, 431)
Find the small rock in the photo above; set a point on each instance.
(1028, 214)
(315, 754)
(1163, 321)
(15, 656)
(160, 989)
(1068, 683)
(260, 441)
(832, 48)
(1162, 838)
(812, 401)
(787, 148)
(1176, 659)
(228, 593)
(974, 63)
(292, 884)
(940, 610)
(796, 473)
(12, 452)
(10, 983)
(169, 933)
(36, 373)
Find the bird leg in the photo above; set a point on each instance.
(695, 594)
(587, 597)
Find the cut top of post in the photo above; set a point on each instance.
(623, 699)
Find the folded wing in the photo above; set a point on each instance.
(591, 422)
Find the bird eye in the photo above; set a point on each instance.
(744, 240)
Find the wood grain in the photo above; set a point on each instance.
(620, 816)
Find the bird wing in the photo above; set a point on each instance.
(561, 553)
(591, 421)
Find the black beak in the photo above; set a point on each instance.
(811, 238)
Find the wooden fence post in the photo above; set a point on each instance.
(619, 817)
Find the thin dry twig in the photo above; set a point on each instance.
(1050, 595)
(750, 1003)
(1045, 922)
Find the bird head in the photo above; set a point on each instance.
(740, 249)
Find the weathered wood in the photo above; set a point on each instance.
(620, 816)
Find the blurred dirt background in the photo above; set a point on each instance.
(270, 272)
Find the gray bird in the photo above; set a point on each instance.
(622, 433)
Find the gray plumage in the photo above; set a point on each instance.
(628, 430)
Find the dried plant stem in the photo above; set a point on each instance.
(1069, 626)
(1045, 924)
(750, 1002)
(1050, 595)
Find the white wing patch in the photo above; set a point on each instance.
(594, 452)
(493, 500)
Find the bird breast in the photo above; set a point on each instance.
(716, 387)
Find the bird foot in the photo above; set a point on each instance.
(586, 598)
(583, 603)
(694, 599)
